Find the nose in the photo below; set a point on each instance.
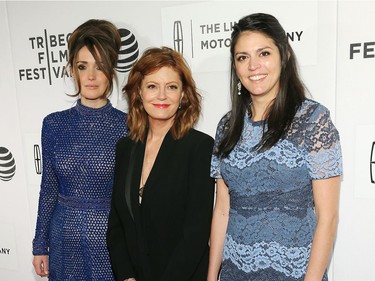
(253, 63)
(162, 93)
(92, 74)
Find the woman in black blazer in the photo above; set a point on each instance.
(162, 200)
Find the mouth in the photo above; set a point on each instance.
(161, 105)
(257, 77)
(92, 87)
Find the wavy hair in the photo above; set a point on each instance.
(190, 108)
(103, 40)
(291, 93)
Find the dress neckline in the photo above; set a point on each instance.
(90, 111)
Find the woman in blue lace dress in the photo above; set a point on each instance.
(277, 161)
(78, 148)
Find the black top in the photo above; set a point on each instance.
(166, 237)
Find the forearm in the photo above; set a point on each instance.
(321, 249)
(218, 231)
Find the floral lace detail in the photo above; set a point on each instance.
(272, 219)
(291, 261)
(272, 226)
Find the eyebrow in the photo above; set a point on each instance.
(258, 50)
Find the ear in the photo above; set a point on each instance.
(71, 70)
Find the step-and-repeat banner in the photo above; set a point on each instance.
(334, 43)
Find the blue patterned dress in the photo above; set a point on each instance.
(78, 166)
(272, 219)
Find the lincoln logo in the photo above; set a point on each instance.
(37, 159)
(129, 51)
(372, 163)
(7, 165)
(178, 37)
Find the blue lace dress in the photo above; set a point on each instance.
(272, 220)
(74, 201)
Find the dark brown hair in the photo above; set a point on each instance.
(281, 112)
(103, 40)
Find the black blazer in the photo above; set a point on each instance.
(166, 237)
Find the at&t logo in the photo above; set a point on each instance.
(7, 164)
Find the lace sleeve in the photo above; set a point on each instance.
(322, 143)
(216, 161)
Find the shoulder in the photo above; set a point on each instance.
(118, 115)
(124, 142)
(311, 110)
(117, 112)
(198, 136)
(224, 119)
(195, 138)
(56, 118)
(124, 145)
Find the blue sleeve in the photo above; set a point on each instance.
(322, 143)
(48, 191)
(215, 160)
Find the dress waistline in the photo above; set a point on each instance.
(85, 203)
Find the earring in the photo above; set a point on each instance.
(239, 86)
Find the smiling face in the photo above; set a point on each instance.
(258, 64)
(94, 83)
(161, 93)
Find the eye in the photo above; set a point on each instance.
(173, 87)
(241, 58)
(265, 53)
(151, 86)
(81, 67)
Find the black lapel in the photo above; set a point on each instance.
(128, 180)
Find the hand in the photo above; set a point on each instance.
(41, 265)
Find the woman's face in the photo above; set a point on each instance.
(258, 64)
(94, 83)
(161, 93)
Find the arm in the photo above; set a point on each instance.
(40, 264)
(117, 248)
(116, 239)
(47, 202)
(193, 245)
(326, 198)
(218, 229)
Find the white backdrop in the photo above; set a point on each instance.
(333, 40)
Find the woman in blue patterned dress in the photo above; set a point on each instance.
(78, 148)
(277, 161)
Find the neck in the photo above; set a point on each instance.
(158, 130)
(97, 103)
(259, 108)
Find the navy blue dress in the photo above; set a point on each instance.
(78, 150)
(272, 220)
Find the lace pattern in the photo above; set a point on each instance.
(263, 255)
(272, 217)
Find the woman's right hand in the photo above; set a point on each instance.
(41, 265)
